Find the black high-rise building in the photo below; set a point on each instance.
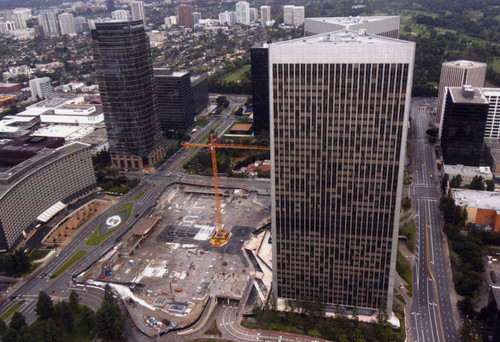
(125, 75)
(464, 122)
(259, 54)
(110, 5)
(174, 99)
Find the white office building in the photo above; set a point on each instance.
(121, 15)
(254, 15)
(196, 17)
(243, 13)
(48, 20)
(41, 88)
(492, 129)
(170, 21)
(299, 13)
(288, 14)
(20, 15)
(67, 24)
(227, 18)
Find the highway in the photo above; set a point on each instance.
(432, 316)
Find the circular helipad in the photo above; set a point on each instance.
(113, 222)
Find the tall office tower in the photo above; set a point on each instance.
(227, 18)
(254, 15)
(185, 15)
(259, 59)
(243, 13)
(196, 17)
(456, 74)
(265, 15)
(67, 24)
(288, 14)
(81, 24)
(110, 5)
(299, 13)
(199, 87)
(170, 21)
(48, 20)
(20, 15)
(41, 88)
(174, 99)
(125, 76)
(387, 26)
(137, 11)
(339, 116)
(464, 122)
(7, 26)
(492, 129)
(121, 15)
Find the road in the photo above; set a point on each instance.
(432, 316)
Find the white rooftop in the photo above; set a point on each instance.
(352, 20)
(477, 199)
(462, 63)
(64, 131)
(467, 170)
(343, 37)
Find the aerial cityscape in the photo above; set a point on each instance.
(250, 171)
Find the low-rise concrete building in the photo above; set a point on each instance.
(491, 154)
(468, 172)
(29, 189)
(483, 207)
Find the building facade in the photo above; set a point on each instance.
(492, 129)
(185, 15)
(41, 88)
(299, 13)
(339, 116)
(481, 206)
(48, 20)
(20, 15)
(265, 15)
(259, 59)
(137, 11)
(67, 24)
(464, 123)
(199, 88)
(121, 15)
(457, 74)
(60, 175)
(387, 26)
(174, 98)
(242, 13)
(125, 76)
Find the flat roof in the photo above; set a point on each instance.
(352, 20)
(342, 37)
(457, 96)
(476, 199)
(241, 127)
(491, 91)
(467, 170)
(144, 225)
(463, 63)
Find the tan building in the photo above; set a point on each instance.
(468, 172)
(49, 180)
(483, 207)
(339, 116)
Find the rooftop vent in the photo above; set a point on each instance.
(468, 91)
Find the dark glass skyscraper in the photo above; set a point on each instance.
(464, 122)
(259, 54)
(125, 75)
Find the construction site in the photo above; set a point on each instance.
(168, 265)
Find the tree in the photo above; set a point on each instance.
(3, 327)
(444, 182)
(456, 182)
(490, 185)
(109, 318)
(52, 332)
(470, 331)
(406, 203)
(477, 183)
(67, 317)
(88, 318)
(74, 299)
(44, 306)
(18, 321)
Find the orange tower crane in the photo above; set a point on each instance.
(221, 237)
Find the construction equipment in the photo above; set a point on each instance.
(221, 236)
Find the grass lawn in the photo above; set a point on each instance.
(33, 266)
(272, 326)
(201, 122)
(95, 239)
(404, 269)
(77, 256)
(410, 231)
(237, 74)
(39, 254)
(11, 310)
